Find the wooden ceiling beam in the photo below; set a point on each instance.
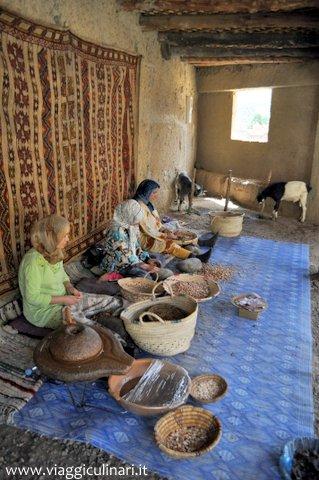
(165, 23)
(206, 52)
(270, 39)
(222, 62)
(215, 6)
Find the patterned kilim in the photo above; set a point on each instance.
(16, 354)
(67, 129)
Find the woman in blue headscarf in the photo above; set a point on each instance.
(154, 237)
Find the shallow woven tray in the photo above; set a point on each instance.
(138, 289)
(213, 287)
(221, 383)
(188, 416)
(188, 239)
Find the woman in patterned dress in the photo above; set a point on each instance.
(154, 237)
(122, 248)
(44, 285)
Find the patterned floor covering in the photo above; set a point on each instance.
(267, 365)
(16, 352)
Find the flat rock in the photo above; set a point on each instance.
(164, 273)
(190, 265)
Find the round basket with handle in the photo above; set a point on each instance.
(192, 285)
(158, 336)
(138, 289)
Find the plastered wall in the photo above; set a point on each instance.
(166, 141)
(289, 153)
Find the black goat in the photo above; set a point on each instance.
(290, 191)
(183, 188)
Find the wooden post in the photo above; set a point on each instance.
(264, 203)
(190, 206)
(229, 180)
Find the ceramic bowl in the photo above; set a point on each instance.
(119, 385)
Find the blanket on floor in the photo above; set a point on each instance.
(15, 390)
(267, 364)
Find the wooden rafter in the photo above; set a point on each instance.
(269, 39)
(222, 22)
(222, 62)
(206, 52)
(215, 6)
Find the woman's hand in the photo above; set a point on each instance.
(151, 268)
(70, 300)
(154, 263)
(168, 234)
(73, 291)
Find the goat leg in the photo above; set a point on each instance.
(275, 211)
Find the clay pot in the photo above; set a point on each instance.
(119, 385)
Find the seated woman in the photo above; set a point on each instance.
(122, 249)
(44, 285)
(154, 237)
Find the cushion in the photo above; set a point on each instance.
(21, 324)
(91, 285)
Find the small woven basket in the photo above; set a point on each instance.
(190, 238)
(139, 289)
(221, 388)
(181, 418)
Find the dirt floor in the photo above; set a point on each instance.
(23, 448)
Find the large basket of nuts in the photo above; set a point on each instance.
(187, 432)
(198, 287)
(162, 326)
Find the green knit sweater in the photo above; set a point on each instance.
(39, 281)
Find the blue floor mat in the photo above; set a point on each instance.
(267, 364)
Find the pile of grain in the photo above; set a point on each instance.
(187, 439)
(217, 272)
(206, 390)
(193, 289)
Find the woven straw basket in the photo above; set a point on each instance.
(227, 224)
(183, 417)
(213, 287)
(219, 381)
(138, 289)
(160, 337)
(191, 238)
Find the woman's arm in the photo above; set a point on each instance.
(72, 290)
(64, 300)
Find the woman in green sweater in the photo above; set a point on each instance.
(45, 287)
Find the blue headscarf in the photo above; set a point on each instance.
(143, 192)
